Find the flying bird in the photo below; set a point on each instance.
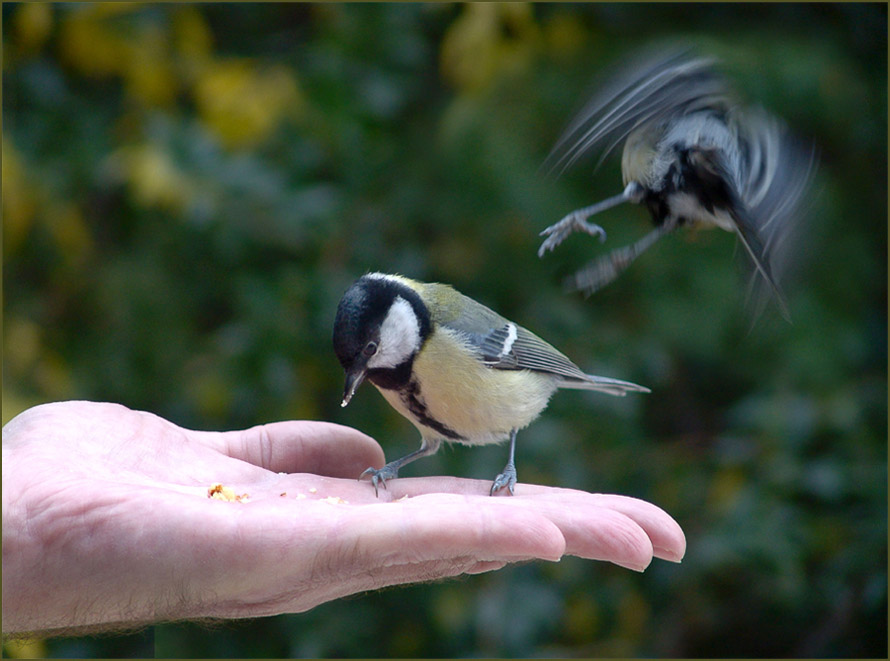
(694, 157)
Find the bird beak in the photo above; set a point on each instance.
(354, 379)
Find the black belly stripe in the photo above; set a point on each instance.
(411, 397)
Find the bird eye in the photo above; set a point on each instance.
(370, 349)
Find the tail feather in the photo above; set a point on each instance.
(603, 384)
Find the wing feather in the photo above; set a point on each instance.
(498, 343)
(652, 88)
(501, 344)
(777, 173)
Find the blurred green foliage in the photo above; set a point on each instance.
(188, 190)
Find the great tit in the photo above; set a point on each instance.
(457, 370)
(693, 156)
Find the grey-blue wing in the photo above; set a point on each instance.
(496, 347)
(533, 353)
(512, 347)
(528, 351)
(501, 344)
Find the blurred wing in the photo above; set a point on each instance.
(755, 247)
(778, 171)
(652, 88)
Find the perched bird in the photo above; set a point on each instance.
(693, 156)
(457, 370)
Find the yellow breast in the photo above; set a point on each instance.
(480, 403)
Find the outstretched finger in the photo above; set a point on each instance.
(668, 540)
(597, 526)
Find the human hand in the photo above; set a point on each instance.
(107, 521)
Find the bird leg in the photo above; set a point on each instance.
(507, 477)
(391, 470)
(600, 272)
(577, 220)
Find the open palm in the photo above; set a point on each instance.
(107, 521)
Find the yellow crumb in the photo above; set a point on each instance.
(335, 500)
(218, 492)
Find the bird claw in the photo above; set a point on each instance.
(505, 479)
(559, 232)
(380, 475)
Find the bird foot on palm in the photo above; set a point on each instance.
(381, 475)
(507, 478)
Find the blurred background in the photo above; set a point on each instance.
(189, 189)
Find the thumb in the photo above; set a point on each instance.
(303, 446)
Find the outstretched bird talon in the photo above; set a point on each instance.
(559, 232)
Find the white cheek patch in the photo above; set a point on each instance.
(399, 336)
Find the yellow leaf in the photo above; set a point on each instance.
(32, 24)
(21, 346)
(25, 648)
(468, 51)
(153, 178)
(242, 103)
(192, 39)
(14, 403)
(488, 39)
(564, 34)
(149, 74)
(18, 201)
(92, 45)
(70, 232)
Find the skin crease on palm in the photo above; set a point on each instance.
(107, 521)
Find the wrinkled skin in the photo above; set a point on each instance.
(107, 521)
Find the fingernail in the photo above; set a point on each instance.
(668, 554)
